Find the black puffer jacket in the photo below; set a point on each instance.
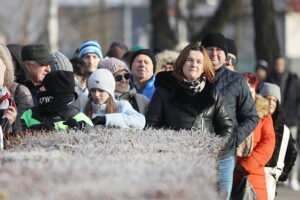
(174, 107)
(239, 104)
(291, 152)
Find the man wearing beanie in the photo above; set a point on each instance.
(142, 65)
(238, 103)
(90, 52)
(58, 107)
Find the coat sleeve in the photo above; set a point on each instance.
(154, 113)
(264, 148)
(128, 118)
(246, 114)
(222, 122)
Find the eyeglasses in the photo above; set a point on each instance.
(120, 77)
(234, 61)
(211, 50)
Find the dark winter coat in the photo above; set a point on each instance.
(290, 97)
(173, 107)
(291, 153)
(239, 104)
(34, 92)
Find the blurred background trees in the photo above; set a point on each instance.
(261, 29)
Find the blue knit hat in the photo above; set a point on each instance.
(90, 46)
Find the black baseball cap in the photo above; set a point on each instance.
(37, 52)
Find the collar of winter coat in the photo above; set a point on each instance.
(262, 106)
(200, 101)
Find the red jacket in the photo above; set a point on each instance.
(263, 147)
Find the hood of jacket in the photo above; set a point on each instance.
(197, 102)
(262, 106)
(9, 76)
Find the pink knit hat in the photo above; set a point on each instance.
(113, 65)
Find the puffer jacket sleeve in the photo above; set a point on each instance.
(154, 113)
(127, 118)
(222, 122)
(263, 149)
(246, 114)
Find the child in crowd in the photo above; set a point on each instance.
(102, 107)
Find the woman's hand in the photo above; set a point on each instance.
(10, 114)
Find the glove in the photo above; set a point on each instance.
(43, 126)
(72, 123)
(6, 127)
(283, 177)
(99, 120)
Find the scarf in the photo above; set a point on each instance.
(98, 110)
(5, 100)
(195, 86)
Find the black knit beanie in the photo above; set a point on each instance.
(59, 82)
(147, 52)
(215, 40)
(231, 47)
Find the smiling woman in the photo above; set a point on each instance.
(187, 99)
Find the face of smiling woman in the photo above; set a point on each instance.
(193, 66)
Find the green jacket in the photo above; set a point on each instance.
(28, 120)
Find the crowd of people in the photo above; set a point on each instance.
(197, 88)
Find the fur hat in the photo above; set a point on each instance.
(113, 65)
(90, 46)
(165, 57)
(215, 40)
(103, 79)
(9, 76)
(62, 62)
(270, 89)
(147, 52)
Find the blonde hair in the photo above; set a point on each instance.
(9, 75)
(208, 69)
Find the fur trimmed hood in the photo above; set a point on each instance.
(9, 76)
(164, 58)
(262, 106)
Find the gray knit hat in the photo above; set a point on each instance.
(113, 65)
(270, 89)
(103, 79)
(62, 62)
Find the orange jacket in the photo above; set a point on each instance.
(263, 147)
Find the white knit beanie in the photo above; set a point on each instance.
(62, 62)
(104, 80)
(113, 65)
(270, 89)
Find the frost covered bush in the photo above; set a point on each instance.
(112, 164)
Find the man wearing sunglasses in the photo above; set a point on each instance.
(238, 103)
(231, 58)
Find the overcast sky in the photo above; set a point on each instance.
(109, 2)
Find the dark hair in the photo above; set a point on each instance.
(208, 70)
(79, 66)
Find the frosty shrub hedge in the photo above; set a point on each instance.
(111, 164)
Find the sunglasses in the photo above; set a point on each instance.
(120, 77)
(234, 61)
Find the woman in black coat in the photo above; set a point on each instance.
(187, 98)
